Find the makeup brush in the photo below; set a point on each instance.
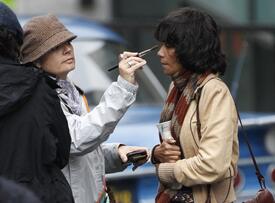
(140, 54)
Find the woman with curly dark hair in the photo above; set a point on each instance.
(198, 164)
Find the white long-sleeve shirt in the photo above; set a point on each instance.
(90, 157)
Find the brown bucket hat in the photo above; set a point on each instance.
(41, 34)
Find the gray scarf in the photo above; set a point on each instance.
(70, 95)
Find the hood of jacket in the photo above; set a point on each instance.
(16, 84)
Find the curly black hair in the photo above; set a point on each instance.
(10, 43)
(195, 36)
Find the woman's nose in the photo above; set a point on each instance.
(160, 52)
(67, 48)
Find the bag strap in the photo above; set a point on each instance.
(198, 97)
(245, 136)
(260, 177)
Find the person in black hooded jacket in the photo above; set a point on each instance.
(34, 134)
(11, 192)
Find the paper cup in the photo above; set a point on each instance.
(165, 130)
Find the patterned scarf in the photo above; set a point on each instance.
(70, 95)
(175, 108)
(177, 103)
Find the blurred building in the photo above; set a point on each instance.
(248, 36)
(96, 9)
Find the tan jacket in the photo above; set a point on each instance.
(213, 158)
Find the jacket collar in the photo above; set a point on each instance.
(209, 77)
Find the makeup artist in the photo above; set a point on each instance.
(90, 157)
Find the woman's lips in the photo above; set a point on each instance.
(70, 60)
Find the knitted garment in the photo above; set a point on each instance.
(71, 96)
(41, 34)
(177, 103)
(175, 108)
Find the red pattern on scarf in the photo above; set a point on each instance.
(175, 109)
(179, 99)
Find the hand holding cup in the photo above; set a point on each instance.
(167, 151)
(165, 131)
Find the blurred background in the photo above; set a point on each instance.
(248, 28)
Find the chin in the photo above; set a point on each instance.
(71, 67)
(166, 72)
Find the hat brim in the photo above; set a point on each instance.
(49, 44)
